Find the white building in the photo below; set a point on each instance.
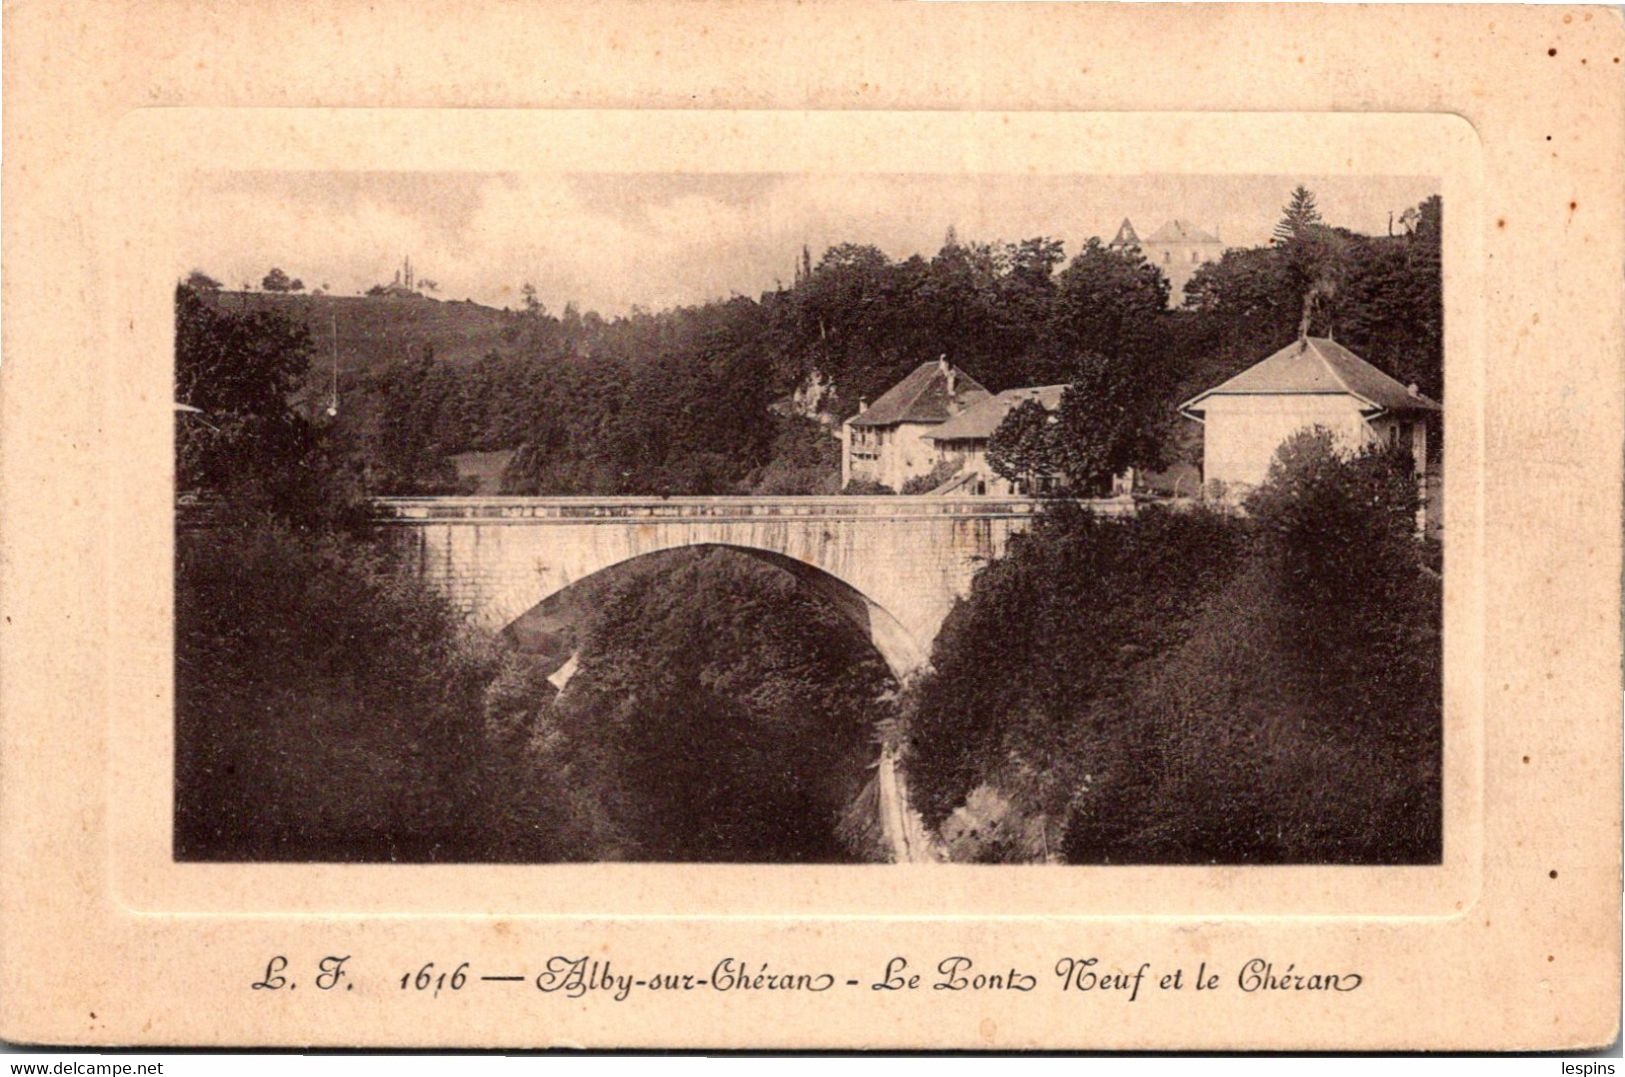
(1311, 382)
(886, 442)
(1178, 249)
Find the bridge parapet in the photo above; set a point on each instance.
(584, 509)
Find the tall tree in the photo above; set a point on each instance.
(1298, 216)
(1317, 256)
(1114, 415)
(533, 305)
(1110, 302)
(1108, 341)
(1020, 449)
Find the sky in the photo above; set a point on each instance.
(611, 241)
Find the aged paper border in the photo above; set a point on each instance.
(1489, 949)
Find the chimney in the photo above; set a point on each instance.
(947, 372)
(1414, 389)
(863, 404)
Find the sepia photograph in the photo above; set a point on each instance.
(844, 527)
(796, 518)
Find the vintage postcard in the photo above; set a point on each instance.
(900, 544)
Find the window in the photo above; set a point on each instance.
(1194, 256)
(1167, 256)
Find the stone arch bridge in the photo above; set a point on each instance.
(892, 565)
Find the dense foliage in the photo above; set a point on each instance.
(329, 709)
(236, 432)
(705, 399)
(327, 706)
(1381, 296)
(719, 712)
(1192, 688)
(1021, 449)
(1030, 667)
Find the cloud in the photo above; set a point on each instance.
(608, 242)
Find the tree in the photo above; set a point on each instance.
(1114, 415)
(1299, 719)
(1298, 216)
(296, 285)
(1110, 302)
(1020, 450)
(328, 708)
(533, 305)
(276, 281)
(202, 282)
(1380, 295)
(1296, 716)
(1316, 255)
(1025, 674)
(1109, 342)
(1342, 528)
(245, 442)
(1033, 261)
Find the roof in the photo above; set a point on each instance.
(1177, 231)
(1316, 365)
(922, 397)
(980, 420)
(1126, 235)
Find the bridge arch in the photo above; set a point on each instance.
(902, 829)
(902, 653)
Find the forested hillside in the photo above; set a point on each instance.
(375, 331)
(698, 399)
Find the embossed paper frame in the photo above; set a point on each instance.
(1511, 942)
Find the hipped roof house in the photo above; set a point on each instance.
(1314, 382)
(1317, 366)
(932, 393)
(1178, 231)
